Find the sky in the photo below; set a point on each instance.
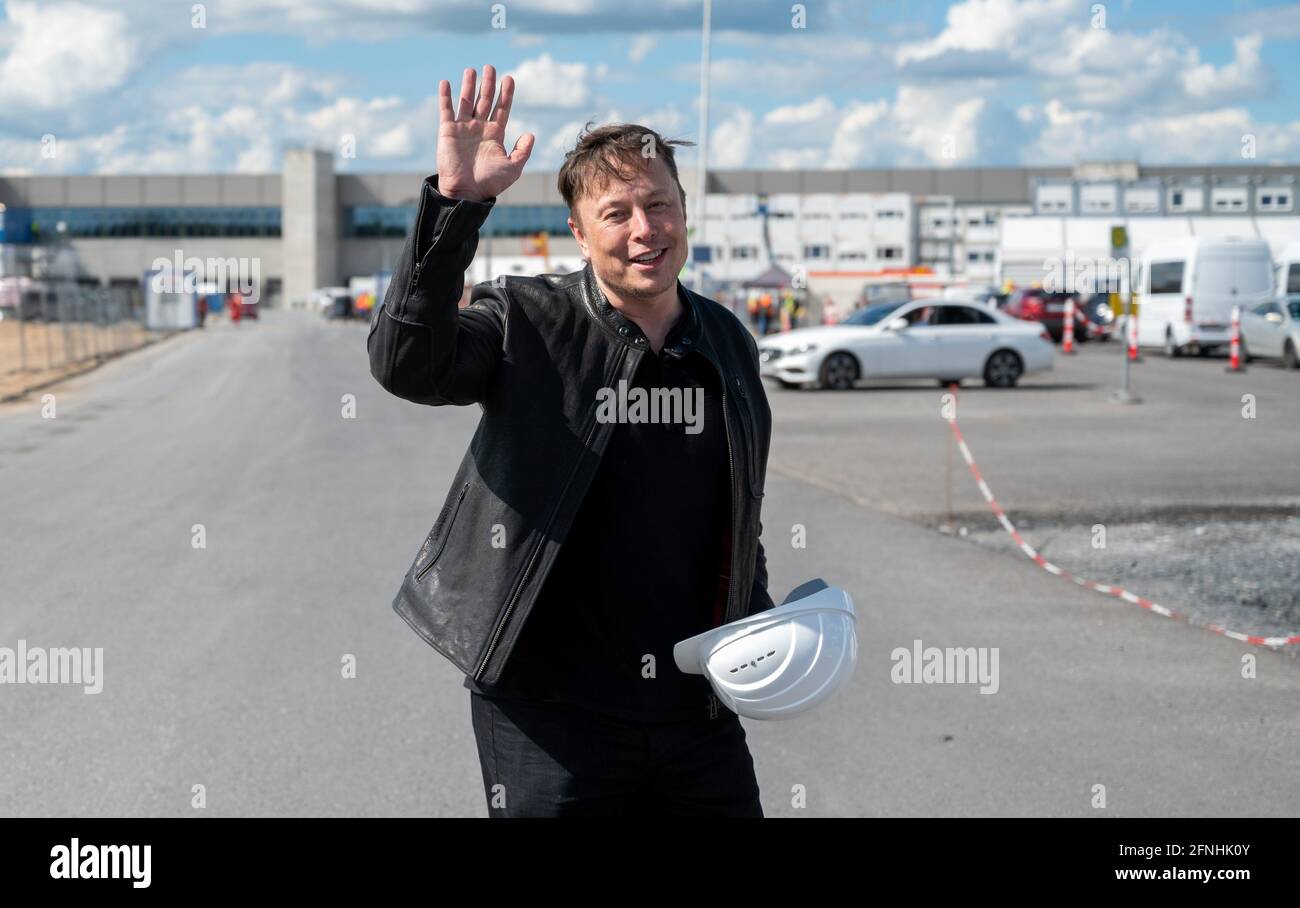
(174, 86)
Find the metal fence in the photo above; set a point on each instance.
(49, 325)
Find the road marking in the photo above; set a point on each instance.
(1105, 589)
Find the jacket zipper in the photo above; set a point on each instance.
(731, 466)
(415, 249)
(523, 581)
(446, 531)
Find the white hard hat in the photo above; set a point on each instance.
(782, 661)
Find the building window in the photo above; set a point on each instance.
(1228, 199)
(817, 252)
(1097, 199)
(1141, 201)
(1274, 200)
(744, 252)
(1054, 199)
(113, 221)
(889, 252)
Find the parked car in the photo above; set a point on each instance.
(340, 305)
(985, 293)
(939, 339)
(1188, 286)
(325, 300)
(1035, 304)
(1272, 329)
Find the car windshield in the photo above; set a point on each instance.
(871, 315)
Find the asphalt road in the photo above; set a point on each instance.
(1056, 445)
(222, 665)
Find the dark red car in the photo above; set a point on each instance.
(1034, 304)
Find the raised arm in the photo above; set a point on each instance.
(422, 347)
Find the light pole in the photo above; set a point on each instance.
(701, 177)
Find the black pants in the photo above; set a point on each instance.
(552, 760)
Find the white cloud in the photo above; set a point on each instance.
(546, 82)
(731, 141)
(1002, 82)
(998, 26)
(1243, 77)
(861, 135)
(398, 142)
(798, 114)
(1053, 44)
(64, 54)
(1202, 137)
(641, 47)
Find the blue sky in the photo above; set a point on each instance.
(154, 86)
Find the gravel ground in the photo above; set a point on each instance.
(1242, 573)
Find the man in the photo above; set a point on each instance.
(582, 539)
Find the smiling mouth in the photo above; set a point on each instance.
(650, 261)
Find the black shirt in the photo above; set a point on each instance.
(643, 565)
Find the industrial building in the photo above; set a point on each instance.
(316, 225)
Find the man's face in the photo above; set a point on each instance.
(620, 222)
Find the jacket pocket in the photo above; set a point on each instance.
(751, 439)
(438, 536)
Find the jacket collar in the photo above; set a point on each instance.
(685, 336)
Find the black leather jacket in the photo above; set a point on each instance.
(532, 353)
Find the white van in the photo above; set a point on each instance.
(1189, 285)
(1287, 285)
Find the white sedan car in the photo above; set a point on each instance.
(1273, 329)
(946, 340)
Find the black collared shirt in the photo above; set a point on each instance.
(643, 564)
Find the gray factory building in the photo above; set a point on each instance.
(315, 224)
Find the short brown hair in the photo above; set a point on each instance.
(600, 152)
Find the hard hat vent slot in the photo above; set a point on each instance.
(752, 662)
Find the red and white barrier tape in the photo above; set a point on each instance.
(1107, 589)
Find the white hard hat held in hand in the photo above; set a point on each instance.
(782, 661)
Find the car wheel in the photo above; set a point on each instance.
(839, 371)
(1172, 350)
(1289, 358)
(1003, 369)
